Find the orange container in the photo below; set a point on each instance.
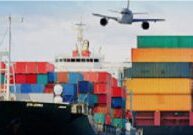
(159, 86)
(100, 109)
(97, 77)
(162, 55)
(160, 103)
(62, 77)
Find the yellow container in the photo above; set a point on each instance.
(160, 103)
(159, 86)
(162, 55)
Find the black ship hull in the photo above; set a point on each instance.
(28, 118)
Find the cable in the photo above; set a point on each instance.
(1, 42)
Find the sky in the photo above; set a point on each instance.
(48, 28)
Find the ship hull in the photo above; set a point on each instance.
(27, 118)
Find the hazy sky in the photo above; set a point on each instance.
(48, 28)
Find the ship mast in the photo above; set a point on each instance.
(80, 36)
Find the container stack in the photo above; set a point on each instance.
(2, 75)
(118, 107)
(160, 80)
(31, 77)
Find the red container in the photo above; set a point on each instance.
(117, 92)
(20, 67)
(118, 113)
(174, 118)
(20, 79)
(2, 66)
(31, 78)
(101, 88)
(100, 108)
(102, 99)
(42, 67)
(97, 77)
(31, 67)
(49, 88)
(50, 67)
(108, 119)
(114, 82)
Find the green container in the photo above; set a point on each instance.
(120, 123)
(99, 118)
(165, 41)
(2, 77)
(42, 79)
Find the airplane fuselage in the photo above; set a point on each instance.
(127, 17)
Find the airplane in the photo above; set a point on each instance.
(127, 17)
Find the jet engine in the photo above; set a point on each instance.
(103, 21)
(145, 25)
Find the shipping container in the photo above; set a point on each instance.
(117, 92)
(159, 103)
(20, 67)
(42, 79)
(70, 89)
(100, 108)
(165, 41)
(31, 78)
(2, 78)
(50, 67)
(162, 55)
(2, 67)
(118, 102)
(52, 77)
(118, 113)
(15, 88)
(74, 77)
(20, 78)
(102, 99)
(117, 122)
(99, 118)
(42, 67)
(101, 88)
(62, 77)
(159, 70)
(114, 82)
(37, 88)
(49, 88)
(69, 98)
(26, 88)
(85, 87)
(159, 86)
(97, 77)
(31, 67)
(89, 99)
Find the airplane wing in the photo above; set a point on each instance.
(148, 20)
(105, 16)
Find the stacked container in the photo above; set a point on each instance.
(31, 77)
(160, 80)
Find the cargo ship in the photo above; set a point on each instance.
(82, 94)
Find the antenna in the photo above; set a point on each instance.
(128, 4)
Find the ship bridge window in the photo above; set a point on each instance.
(56, 60)
(78, 60)
(87, 60)
(96, 60)
(68, 60)
(60, 60)
(72, 60)
(83, 60)
(91, 60)
(64, 60)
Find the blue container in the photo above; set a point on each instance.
(37, 88)
(70, 90)
(52, 77)
(85, 86)
(15, 89)
(26, 88)
(69, 99)
(118, 102)
(74, 77)
(89, 99)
